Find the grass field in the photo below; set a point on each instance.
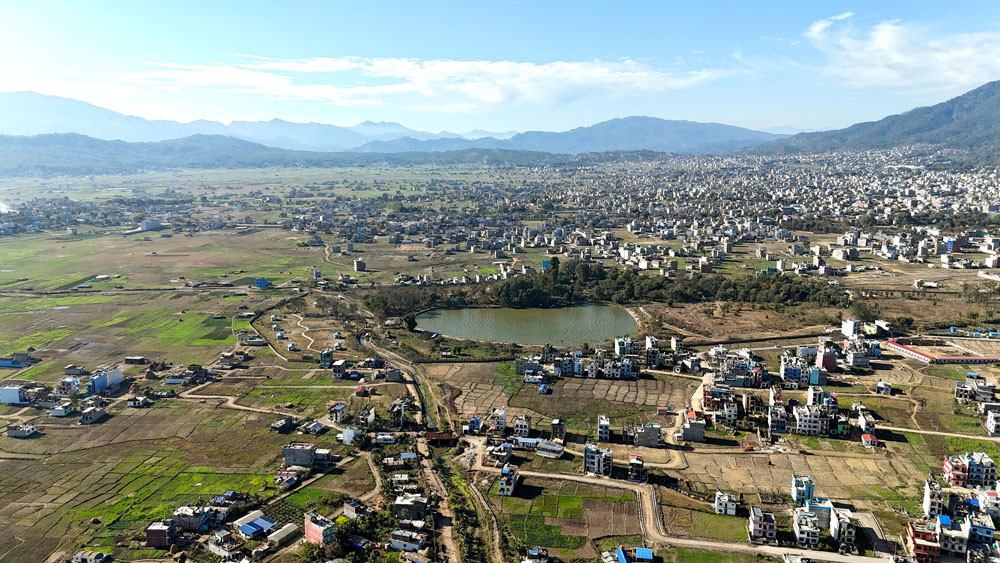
(727, 528)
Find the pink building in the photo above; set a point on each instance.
(318, 529)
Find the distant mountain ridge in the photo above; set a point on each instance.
(969, 122)
(620, 134)
(31, 113)
(71, 154)
(968, 126)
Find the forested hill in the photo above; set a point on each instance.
(969, 123)
(74, 155)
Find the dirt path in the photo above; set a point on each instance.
(435, 409)
(305, 329)
(497, 552)
(377, 491)
(937, 433)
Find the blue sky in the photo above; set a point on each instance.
(502, 66)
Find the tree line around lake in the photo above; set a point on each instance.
(575, 282)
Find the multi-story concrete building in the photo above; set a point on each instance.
(842, 528)
(762, 527)
(922, 541)
(603, 429)
(647, 435)
(522, 425)
(160, 534)
(993, 423)
(933, 504)
(953, 535)
(805, 525)
(299, 454)
(777, 419)
(558, 430)
(810, 420)
(981, 529)
(597, 460)
(636, 468)
(803, 489)
(507, 480)
(975, 469)
(693, 427)
(318, 529)
(725, 504)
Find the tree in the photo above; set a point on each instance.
(864, 312)
(310, 552)
(410, 321)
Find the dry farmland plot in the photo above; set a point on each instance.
(735, 320)
(843, 476)
(477, 388)
(169, 420)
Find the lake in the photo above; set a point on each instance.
(590, 324)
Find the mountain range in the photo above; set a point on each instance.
(622, 134)
(965, 128)
(969, 123)
(31, 113)
(70, 154)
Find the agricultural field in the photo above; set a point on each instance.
(61, 262)
(721, 320)
(100, 485)
(566, 516)
(476, 388)
(99, 330)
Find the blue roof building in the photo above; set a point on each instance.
(259, 527)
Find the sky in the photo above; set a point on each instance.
(502, 66)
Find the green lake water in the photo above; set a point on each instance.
(591, 324)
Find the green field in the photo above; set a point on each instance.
(727, 528)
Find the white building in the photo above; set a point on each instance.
(725, 504)
(805, 524)
(522, 425)
(408, 540)
(993, 423)
(603, 429)
(808, 420)
(597, 460)
(933, 504)
(507, 480)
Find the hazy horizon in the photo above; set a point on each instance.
(458, 68)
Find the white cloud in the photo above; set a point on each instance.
(456, 86)
(897, 55)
